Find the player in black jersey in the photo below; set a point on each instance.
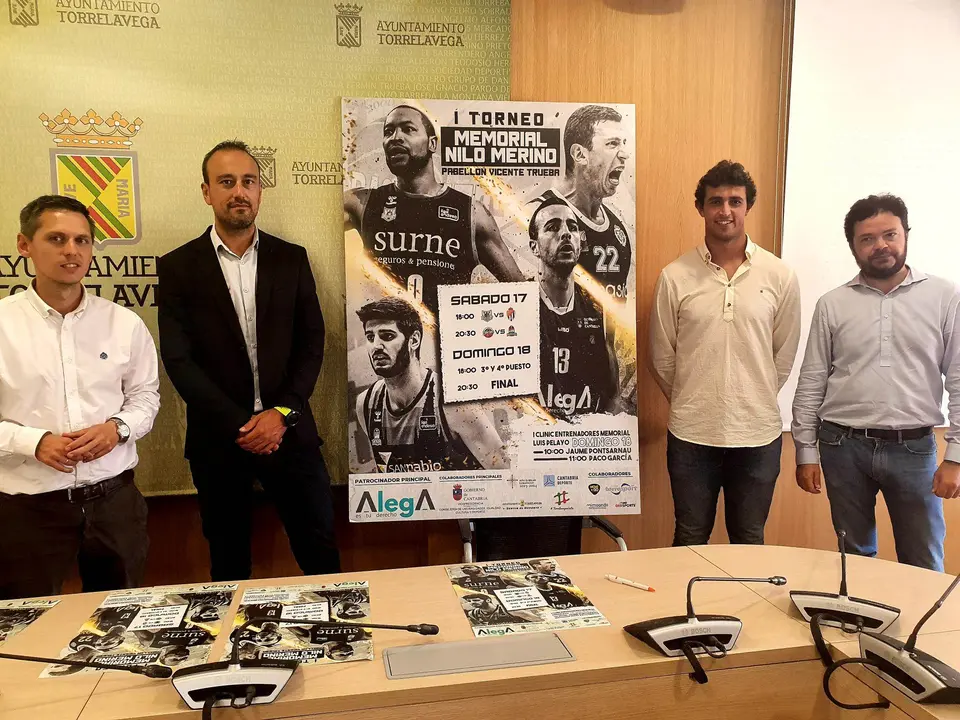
(594, 142)
(476, 579)
(424, 233)
(402, 415)
(109, 617)
(556, 597)
(548, 569)
(102, 643)
(595, 150)
(577, 362)
(271, 610)
(486, 610)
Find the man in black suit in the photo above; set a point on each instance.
(241, 337)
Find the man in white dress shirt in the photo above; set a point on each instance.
(78, 388)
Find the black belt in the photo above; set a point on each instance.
(897, 436)
(84, 493)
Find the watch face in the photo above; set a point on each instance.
(292, 418)
(122, 430)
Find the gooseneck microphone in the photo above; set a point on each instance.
(850, 614)
(775, 580)
(151, 671)
(239, 683)
(693, 634)
(918, 675)
(911, 642)
(337, 628)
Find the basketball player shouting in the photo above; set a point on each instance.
(594, 143)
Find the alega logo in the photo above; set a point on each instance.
(405, 506)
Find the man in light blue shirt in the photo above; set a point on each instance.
(871, 387)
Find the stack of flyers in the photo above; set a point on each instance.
(172, 626)
(343, 602)
(515, 596)
(15, 615)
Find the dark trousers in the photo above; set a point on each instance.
(519, 537)
(42, 536)
(747, 477)
(295, 479)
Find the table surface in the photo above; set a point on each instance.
(773, 632)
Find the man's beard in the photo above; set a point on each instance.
(399, 365)
(235, 222)
(883, 273)
(412, 167)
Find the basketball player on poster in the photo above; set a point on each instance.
(594, 144)
(424, 233)
(402, 415)
(577, 362)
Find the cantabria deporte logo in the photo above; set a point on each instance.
(92, 161)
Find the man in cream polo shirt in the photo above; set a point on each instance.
(78, 388)
(724, 331)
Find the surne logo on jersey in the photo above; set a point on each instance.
(448, 213)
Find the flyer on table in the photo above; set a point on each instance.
(491, 308)
(16, 615)
(172, 626)
(517, 596)
(269, 639)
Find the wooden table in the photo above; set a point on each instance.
(773, 672)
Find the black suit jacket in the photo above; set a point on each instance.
(204, 353)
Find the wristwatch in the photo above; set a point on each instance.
(290, 417)
(123, 430)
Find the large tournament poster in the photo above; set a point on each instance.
(172, 626)
(491, 308)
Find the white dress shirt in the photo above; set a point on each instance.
(878, 361)
(60, 374)
(241, 276)
(721, 348)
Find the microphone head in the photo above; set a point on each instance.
(778, 580)
(426, 629)
(157, 671)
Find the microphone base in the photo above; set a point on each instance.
(918, 675)
(268, 677)
(667, 635)
(876, 616)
